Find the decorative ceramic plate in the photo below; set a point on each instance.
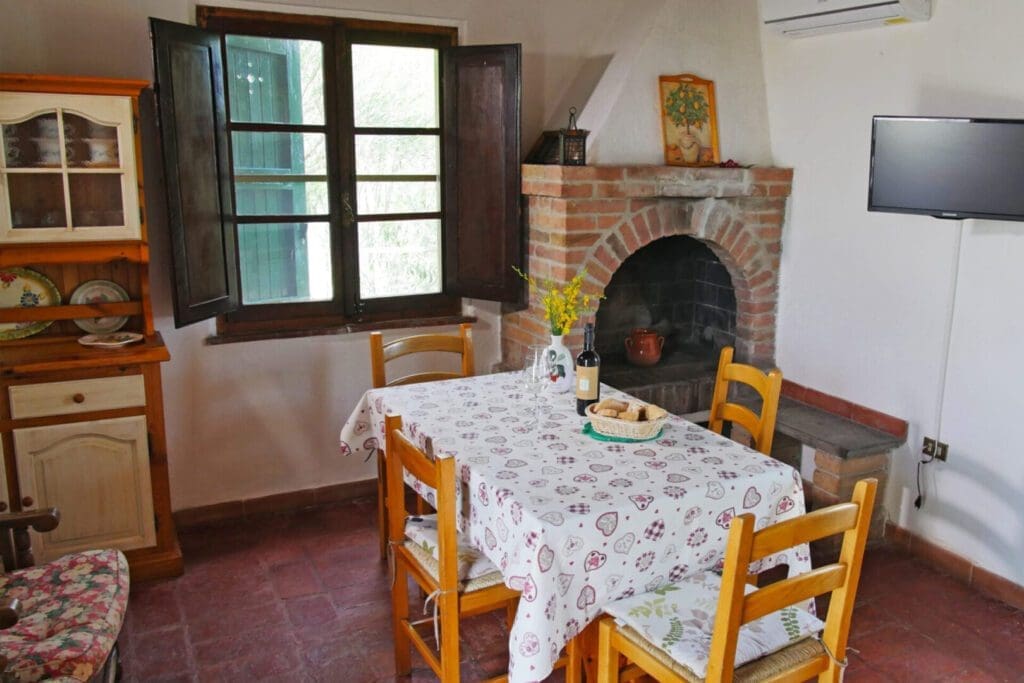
(23, 288)
(100, 292)
(111, 340)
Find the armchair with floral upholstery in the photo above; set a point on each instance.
(58, 621)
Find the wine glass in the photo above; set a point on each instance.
(536, 373)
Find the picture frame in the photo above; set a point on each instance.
(689, 122)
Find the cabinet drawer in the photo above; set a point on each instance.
(77, 396)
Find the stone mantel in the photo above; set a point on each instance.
(654, 181)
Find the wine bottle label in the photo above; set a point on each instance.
(586, 383)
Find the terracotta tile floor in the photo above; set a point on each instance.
(304, 598)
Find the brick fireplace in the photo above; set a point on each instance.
(600, 216)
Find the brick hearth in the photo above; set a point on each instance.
(597, 216)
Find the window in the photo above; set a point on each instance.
(341, 146)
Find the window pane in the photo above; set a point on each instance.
(37, 200)
(281, 198)
(394, 86)
(275, 80)
(398, 258)
(90, 144)
(376, 198)
(264, 165)
(285, 262)
(276, 153)
(96, 199)
(398, 154)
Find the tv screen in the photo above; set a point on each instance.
(947, 167)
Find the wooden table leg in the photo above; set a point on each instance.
(587, 639)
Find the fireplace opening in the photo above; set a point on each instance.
(679, 288)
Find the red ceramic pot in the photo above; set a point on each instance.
(643, 346)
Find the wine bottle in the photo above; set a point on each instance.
(588, 363)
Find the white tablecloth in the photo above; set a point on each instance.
(572, 522)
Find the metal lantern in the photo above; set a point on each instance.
(572, 143)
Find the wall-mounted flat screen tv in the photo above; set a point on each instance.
(947, 167)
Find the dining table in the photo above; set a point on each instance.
(573, 522)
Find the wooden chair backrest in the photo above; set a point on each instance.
(437, 473)
(767, 385)
(381, 353)
(852, 519)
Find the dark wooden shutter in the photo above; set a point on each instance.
(483, 229)
(193, 124)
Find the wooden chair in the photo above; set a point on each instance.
(380, 355)
(60, 620)
(822, 656)
(439, 576)
(768, 387)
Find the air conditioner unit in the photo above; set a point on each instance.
(799, 18)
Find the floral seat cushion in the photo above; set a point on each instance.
(422, 532)
(679, 619)
(71, 614)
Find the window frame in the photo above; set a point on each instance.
(336, 34)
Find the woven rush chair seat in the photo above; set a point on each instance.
(764, 669)
(71, 613)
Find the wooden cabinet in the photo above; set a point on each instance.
(81, 428)
(69, 168)
(115, 510)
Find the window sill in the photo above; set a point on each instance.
(347, 328)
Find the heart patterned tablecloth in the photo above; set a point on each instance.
(576, 523)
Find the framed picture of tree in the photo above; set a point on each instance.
(688, 120)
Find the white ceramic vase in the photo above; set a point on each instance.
(563, 373)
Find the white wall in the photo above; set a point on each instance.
(715, 40)
(866, 305)
(253, 419)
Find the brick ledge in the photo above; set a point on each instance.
(846, 409)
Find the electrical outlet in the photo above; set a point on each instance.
(942, 451)
(928, 446)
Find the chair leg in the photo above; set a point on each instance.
(399, 615)
(833, 674)
(448, 612)
(382, 504)
(607, 656)
(421, 507)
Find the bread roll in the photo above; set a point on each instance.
(611, 404)
(656, 412)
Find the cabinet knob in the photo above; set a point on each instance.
(27, 502)
(78, 398)
(3, 506)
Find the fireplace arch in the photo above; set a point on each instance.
(677, 286)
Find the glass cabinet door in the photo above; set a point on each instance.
(68, 168)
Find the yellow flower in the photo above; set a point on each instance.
(562, 305)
